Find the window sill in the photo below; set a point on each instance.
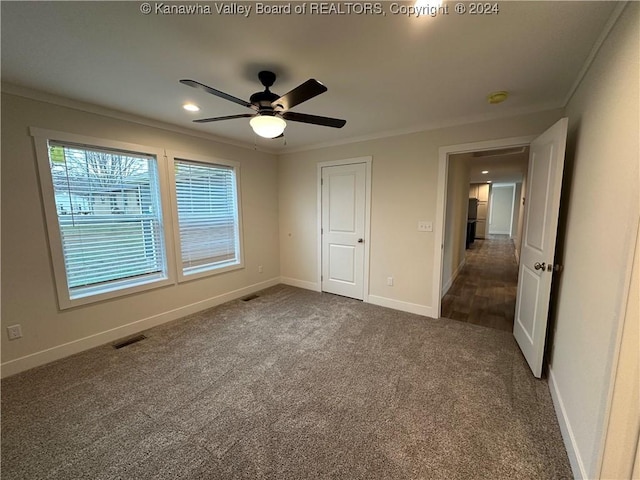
(94, 295)
(202, 273)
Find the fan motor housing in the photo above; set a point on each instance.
(264, 99)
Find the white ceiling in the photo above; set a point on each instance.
(502, 167)
(385, 73)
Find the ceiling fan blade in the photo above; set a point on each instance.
(217, 93)
(301, 93)
(228, 117)
(314, 119)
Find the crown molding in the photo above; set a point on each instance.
(456, 122)
(17, 90)
(613, 19)
(40, 96)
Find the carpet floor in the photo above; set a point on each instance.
(291, 385)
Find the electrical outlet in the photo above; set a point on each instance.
(14, 331)
(390, 281)
(259, 268)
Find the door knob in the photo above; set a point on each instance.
(361, 240)
(539, 266)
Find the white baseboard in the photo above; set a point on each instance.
(61, 351)
(373, 299)
(447, 286)
(294, 282)
(403, 306)
(577, 465)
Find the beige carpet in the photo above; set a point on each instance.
(291, 385)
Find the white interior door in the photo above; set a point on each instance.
(343, 229)
(544, 185)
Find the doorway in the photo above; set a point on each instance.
(480, 271)
(461, 168)
(537, 257)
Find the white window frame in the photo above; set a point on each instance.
(124, 287)
(172, 157)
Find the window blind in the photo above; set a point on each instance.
(207, 215)
(109, 216)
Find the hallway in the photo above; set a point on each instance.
(484, 293)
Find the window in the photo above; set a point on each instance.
(104, 215)
(108, 205)
(207, 210)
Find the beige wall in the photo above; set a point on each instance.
(404, 191)
(28, 291)
(455, 228)
(600, 217)
(623, 428)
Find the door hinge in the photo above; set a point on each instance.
(322, 231)
(321, 278)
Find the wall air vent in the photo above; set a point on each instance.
(128, 341)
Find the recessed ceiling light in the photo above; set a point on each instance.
(190, 107)
(497, 97)
(484, 172)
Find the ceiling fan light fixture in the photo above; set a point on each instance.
(268, 126)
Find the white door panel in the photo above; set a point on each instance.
(343, 229)
(540, 173)
(342, 204)
(342, 263)
(546, 163)
(529, 283)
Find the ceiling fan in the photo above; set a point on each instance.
(270, 109)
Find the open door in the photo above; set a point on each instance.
(546, 163)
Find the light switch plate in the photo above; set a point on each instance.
(424, 226)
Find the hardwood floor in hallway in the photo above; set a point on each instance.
(484, 293)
